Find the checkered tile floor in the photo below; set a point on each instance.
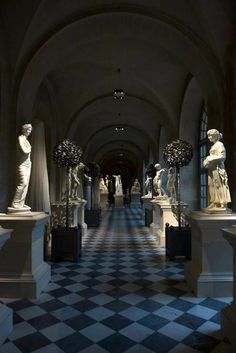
(123, 296)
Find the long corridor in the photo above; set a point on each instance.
(123, 296)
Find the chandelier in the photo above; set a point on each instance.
(118, 94)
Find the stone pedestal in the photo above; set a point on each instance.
(210, 273)
(228, 314)
(162, 214)
(6, 314)
(103, 200)
(76, 214)
(119, 201)
(147, 207)
(23, 273)
(135, 199)
(81, 221)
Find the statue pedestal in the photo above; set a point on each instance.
(162, 214)
(147, 207)
(76, 214)
(81, 221)
(135, 199)
(228, 314)
(119, 201)
(6, 315)
(23, 273)
(103, 200)
(209, 273)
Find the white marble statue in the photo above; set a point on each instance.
(118, 185)
(102, 186)
(23, 170)
(136, 187)
(148, 186)
(171, 185)
(219, 195)
(158, 184)
(76, 187)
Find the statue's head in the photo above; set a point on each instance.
(214, 134)
(157, 166)
(26, 129)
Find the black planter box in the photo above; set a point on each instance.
(148, 217)
(178, 241)
(66, 244)
(92, 217)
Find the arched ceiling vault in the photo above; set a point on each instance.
(167, 34)
(148, 53)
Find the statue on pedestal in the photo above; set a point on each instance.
(158, 182)
(102, 186)
(118, 185)
(171, 185)
(23, 171)
(148, 186)
(219, 194)
(76, 188)
(136, 187)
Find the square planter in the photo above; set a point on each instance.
(66, 244)
(92, 217)
(178, 241)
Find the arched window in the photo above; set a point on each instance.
(202, 154)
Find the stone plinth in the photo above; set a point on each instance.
(147, 207)
(76, 214)
(210, 273)
(228, 314)
(82, 204)
(103, 200)
(162, 214)
(135, 199)
(6, 314)
(23, 273)
(119, 201)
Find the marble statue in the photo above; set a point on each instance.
(219, 194)
(118, 185)
(23, 170)
(158, 184)
(171, 185)
(75, 182)
(148, 186)
(136, 187)
(102, 186)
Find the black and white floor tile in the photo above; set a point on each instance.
(123, 296)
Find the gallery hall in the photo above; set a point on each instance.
(118, 176)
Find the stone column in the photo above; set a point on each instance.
(23, 273)
(6, 315)
(228, 314)
(88, 194)
(210, 273)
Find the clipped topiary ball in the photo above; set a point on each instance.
(178, 153)
(67, 154)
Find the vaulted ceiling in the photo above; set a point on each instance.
(80, 51)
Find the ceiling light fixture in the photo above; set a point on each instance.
(119, 128)
(118, 93)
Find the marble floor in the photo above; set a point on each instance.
(122, 296)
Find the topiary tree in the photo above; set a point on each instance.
(177, 154)
(67, 154)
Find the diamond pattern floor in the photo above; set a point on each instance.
(123, 296)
